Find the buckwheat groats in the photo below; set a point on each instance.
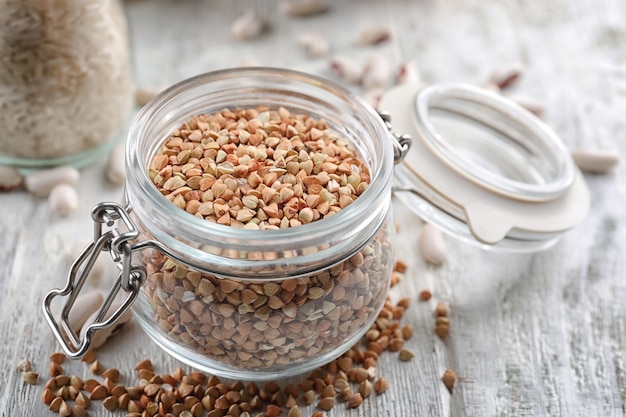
(264, 169)
(258, 169)
(262, 325)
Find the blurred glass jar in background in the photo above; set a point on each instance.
(65, 80)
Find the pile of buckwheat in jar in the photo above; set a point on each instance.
(263, 169)
(258, 169)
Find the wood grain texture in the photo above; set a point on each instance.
(531, 335)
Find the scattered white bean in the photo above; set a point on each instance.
(432, 244)
(10, 179)
(249, 25)
(594, 161)
(376, 73)
(144, 94)
(408, 73)
(99, 268)
(314, 43)
(346, 69)
(376, 34)
(115, 169)
(534, 106)
(506, 74)
(42, 182)
(84, 306)
(101, 336)
(302, 8)
(63, 199)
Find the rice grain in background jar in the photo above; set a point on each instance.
(65, 81)
(256, 240)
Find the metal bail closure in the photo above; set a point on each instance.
(401, 143)
(117, 242)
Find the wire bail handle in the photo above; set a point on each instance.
(401, 143)
(117, 242)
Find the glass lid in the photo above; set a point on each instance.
(493, 144)
(483, 169)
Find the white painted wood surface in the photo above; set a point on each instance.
(531, 335)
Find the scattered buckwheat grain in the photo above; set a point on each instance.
(449, 378)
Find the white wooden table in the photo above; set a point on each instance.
(531, 335)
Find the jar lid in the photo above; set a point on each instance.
(484, 169)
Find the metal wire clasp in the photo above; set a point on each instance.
(401, 143)
(108, 237)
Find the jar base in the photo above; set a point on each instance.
(77, 160)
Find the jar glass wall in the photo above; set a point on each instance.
(258, 304)
(65, 81)
(270, 328)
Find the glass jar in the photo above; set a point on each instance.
(263, 304)
(65, 81)
(258, 304)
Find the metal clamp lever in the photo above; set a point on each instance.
(130, 278)
(401, 143)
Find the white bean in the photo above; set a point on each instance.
(376, 34)
(84, 306)
(249, 25)
(101, 336)
(595, 161)
(63, 199)
(42, 182)
(314, 43)
(115, 169)
(99, 268)
(506, 74)
(376, 73)
(408, 74)
(346, 69)
(432, 244)
(10, 178)
(302, 8)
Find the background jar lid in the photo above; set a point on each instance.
(483, 169)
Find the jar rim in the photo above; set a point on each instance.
(191, 229)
